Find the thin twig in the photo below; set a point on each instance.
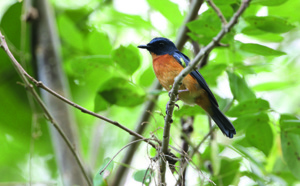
(188, 158)
(29, 87)
(140, 128)
(185, 72)
(119, 153)
(82, 109)
(218, 11)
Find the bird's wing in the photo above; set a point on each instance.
(180, 57)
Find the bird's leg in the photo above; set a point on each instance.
(177, 98)
(167, 106)
(179, 91)
(184, 90)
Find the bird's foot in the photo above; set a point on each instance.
(167, 107)
(179, 91)
(177, 98)
(185, 90)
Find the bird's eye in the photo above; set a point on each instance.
(161, 44)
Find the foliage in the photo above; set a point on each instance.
(255, 80)
(101, 179)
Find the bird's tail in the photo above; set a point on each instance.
(222, 121)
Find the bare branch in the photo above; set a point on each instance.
(218, 11)
(185, 72)
(24, 75)
(30, 88)
(82, 109)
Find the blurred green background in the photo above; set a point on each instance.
(256, 77)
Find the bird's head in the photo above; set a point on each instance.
(159, 46)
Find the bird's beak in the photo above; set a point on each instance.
(144, 46)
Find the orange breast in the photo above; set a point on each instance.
(166, 68)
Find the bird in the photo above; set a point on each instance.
(168, 62)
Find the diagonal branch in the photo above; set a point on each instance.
(177, 81)
(82, 109)
(30, 88)
(180, 41)
(132, 142)
(218, 11)
(24, 75)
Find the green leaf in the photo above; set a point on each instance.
(270, 86)
(147, 77)
(289, 10)
(271, 24)
(227, 11)
(260, 50)
(253, 177)
(212, 71)
(268, 2)
(252, 30)
(143, 176)
(98, 43)
(100, 103)
(10, 24)
(243, 121)
(223, 102)
(69, 33)
(228, 172)
(127, 58)
(239, 87)
(290, 144)
(269, 37)
(249, 107)
(205, 28)
(100, 180)
(84, 65)
(119, 20)
(245, 152)
(18, 127)
(15, 126)
(153, 152)
(262, 139)
(227, 2)
(230, 56)
(78, 14)
(290, 124)
(120, 92)
(261, 35)
(282, 170)
(9, 30)
(168, 9)
(126, 97)
(187, 110)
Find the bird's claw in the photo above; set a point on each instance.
(179, 91)
(176, 105)
(169, 94)
(167, 107)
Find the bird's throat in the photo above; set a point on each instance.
(154, 56)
